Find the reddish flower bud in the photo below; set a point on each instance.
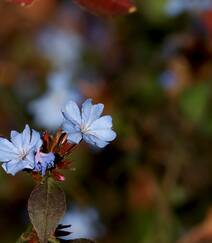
(57, 176)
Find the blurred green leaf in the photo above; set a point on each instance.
(193, 102)
(154, 10)
(46, 206)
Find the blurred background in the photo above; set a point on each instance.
(153, 71)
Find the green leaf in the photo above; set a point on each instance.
(46, 206)
(194, 102)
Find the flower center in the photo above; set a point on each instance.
(23, 155)
(84, 128)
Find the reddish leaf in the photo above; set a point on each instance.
(56, 140)
(46, 141)
(108, 7)
(66, 148)
(46, 206)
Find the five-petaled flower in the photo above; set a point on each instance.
(87, 124)
(19, 153)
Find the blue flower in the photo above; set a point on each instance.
(43, 161)
(19, 153)
(87, 124)
(47, 108)
(85, 223)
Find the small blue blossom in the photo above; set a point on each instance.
(85, 223)
(46, 110)
(87, 124)
(19, 153)
(43, 161)
(62, 47)
(168, 79)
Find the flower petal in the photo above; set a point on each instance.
(26, 137)
(6, 157)
(69, 127)
(103, 134)
(31, 159)
(35, 141)
(15, 166)
(17, 141)
(94, 141)
(13, 134)
(73, 131)
(75, 137)
(71, 112)
(7, 150)
(104, 122)
(91, 112)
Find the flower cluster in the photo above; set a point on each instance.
(41, 154)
